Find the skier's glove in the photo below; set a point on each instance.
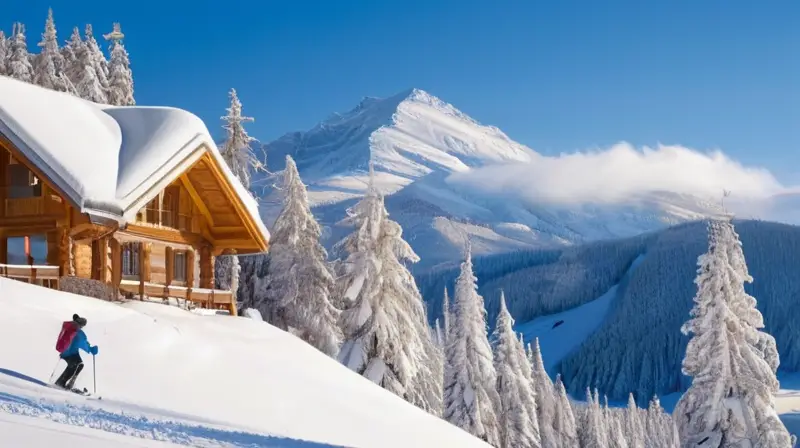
(93, 349)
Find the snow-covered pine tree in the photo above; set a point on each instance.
(437, 333)
(4, 52)
(49, 70)
(658, 433)
(18, 64)
(731, 399)
(120, 77)
(299, 284)
(384, 323)
(89, 85)
(73, 67)
(634, 429)
(593, 432)
(564, 421)
(545, 396)
(470, 394)
(615, 433)
(236, 150)
(446, 313)
(97, 58)
(519, 427)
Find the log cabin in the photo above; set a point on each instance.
(138, 198)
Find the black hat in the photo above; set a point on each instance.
(79, 320)
(75, 317)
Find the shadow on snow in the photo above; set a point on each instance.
(137, 426)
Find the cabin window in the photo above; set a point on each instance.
(152, 211)
(130, 259)
(179, 266)
(168, 208)
(22, 183)
(27, 250)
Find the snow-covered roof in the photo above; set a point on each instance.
(108, 160)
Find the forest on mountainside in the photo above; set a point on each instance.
(639, 347)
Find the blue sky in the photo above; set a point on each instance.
(557, 76)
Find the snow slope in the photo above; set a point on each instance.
(574, 325)
(422, 149)
(190, 379)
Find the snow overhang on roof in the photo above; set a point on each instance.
(109, 161)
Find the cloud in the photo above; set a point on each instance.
(620, 172)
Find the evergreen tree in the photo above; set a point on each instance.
(120, 77)
(593, 432)
(49, 70)
(634, 428)
(565, 428)
(385, 325)
(446, 313)
(73, 66)
(437, 334)
(236, 150)
(470, 397)
(731, 399)
(4, 52)
(519, 427)
(96, 58)
(300, 284)
(89, 84)
(545, 396)
(227, 274)
(18, 64)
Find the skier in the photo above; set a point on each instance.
(72, 333)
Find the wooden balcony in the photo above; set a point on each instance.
(205, 298)
(46, 276)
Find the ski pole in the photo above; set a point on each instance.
(94, 373)
(54, 370)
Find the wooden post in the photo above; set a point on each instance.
(3, 248)
(169, 264)
(63, 251)
(102, 252)
(116, 265)
(144, 267)
(147, 248)
(190, 268)
(207, 267)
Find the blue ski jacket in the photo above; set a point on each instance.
(79, 342)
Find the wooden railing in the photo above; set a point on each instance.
(39, 275)
(34, 206)
(206, 298)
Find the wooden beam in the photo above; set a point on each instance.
(234, 199)
(163, 234)
(196, 198)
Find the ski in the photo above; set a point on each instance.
(82, 392)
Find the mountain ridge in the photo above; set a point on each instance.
(421, 147)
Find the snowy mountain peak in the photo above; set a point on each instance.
(419, 146)
(407, 136)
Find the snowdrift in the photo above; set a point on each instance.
(224, 371)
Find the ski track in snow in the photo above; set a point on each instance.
(141, 426)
